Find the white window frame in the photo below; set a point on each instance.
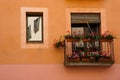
(24, 44)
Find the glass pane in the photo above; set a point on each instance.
(34, 28)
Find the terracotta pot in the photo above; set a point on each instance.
(73, 60)
(88, 40)
(85, 60)
(72, 40)
(104, 60)
(105, 40)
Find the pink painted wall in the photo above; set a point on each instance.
(17, 63)
(57, 72)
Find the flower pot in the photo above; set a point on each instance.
(72, 40)
(105, 40)
(104, 60)
(85, 60)
(88, 40)
(73, 60)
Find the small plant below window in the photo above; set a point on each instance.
(59, 42)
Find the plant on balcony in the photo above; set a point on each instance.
(85, 37)
(59, 42)
(73, 58)
(107, 35)
(92, 36)
(73, 37)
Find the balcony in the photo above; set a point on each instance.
(88, 52)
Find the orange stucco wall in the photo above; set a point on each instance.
(11, 51)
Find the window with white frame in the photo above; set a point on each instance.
(34, 27)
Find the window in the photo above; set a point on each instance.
(34, 27)
(85, 24)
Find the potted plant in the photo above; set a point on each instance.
(73, 58)
(105, 37)
(59, 42)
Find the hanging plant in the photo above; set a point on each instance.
(59, 42)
